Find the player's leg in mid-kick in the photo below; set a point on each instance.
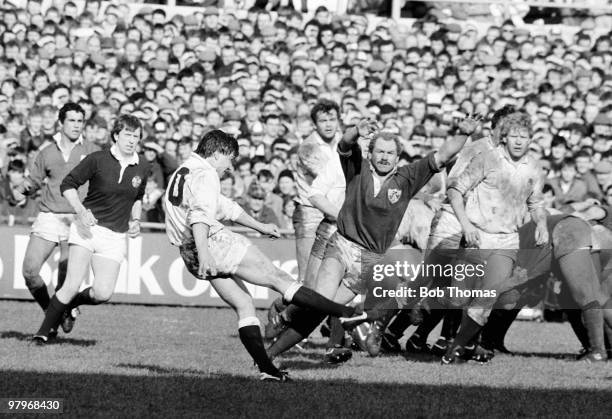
(234, 293)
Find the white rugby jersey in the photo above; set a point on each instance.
(329, 183)
(194, 196)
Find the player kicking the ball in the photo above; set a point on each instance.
(194, 205)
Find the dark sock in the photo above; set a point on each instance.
(52, 317)
(84, 298)
(400, 323)
(452, 321)
(430, 321)
(41, 295)
(287, 314)
(494, 332)
(336, 334)
(592, 317)
(250, 336)
(303, 322)
(469, 328)
(574, 317)
(308, 298)
(286, 340)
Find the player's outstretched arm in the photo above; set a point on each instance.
(268, 229)
(452, 147)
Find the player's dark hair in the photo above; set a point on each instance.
(217, 141)
(70, 106)
(125, 121)
(324, 106)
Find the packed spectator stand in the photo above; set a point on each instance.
(256, 73)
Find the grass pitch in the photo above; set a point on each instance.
(133, 361)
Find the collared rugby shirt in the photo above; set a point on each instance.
(53, 164)
(373, 211)
(498, 191)
(114, 186)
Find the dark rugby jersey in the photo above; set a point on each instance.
(372, 221)
(109, 198)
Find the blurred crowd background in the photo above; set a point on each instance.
(256, 70)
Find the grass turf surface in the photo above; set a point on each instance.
(127, 361)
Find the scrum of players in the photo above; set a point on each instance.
(492, 214)
(356, 204)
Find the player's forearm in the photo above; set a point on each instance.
(324, 205)
(456, 200)
(72, 196)
(247, 221)
(200, 236)
(136, 210)
(450, 149)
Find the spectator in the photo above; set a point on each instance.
(568, 188)
(286, 221)
(266, 180)
(285, 187)
(15, 205)
(603, 174)
(254, 205)
(584, 166)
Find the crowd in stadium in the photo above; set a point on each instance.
(258, 78)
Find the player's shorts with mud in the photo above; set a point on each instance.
(324, 232)
(306, 220)
(52, 227)
(226, 247)
(446, 234)
(357, 261)
(492, 244)
(99, 240)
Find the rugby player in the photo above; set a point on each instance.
(442, 246)
(315, 211)
(110, 212)
(52, 225)
(490, 200)
(194, 205)
(321, 187)
(377, 195)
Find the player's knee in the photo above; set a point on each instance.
(100, 296)
(30, 268)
